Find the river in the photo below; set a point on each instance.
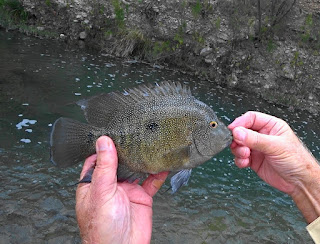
(40, 81)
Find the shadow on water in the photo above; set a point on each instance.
(40, 81)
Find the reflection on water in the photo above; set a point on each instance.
(41, 81)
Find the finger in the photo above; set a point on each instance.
(105, 172)
(252, 120)
(233, 145)
(254, 140)
(241, 152)
(88, 165)
(154, 182)
(256, 164)
(242, 162)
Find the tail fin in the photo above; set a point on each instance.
(72, 141)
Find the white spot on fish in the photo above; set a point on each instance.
(77, 93)
(28, 130)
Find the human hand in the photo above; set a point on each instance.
(268, 146)
(112, 212)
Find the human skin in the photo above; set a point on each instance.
(268, 146)
(109, 211)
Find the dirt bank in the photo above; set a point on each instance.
(270, 47)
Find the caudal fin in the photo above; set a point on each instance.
(72, 141)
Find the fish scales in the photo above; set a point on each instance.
(168, 128)
(155, 128)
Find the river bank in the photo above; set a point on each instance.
(267, 48)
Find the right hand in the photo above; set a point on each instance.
(268, 146)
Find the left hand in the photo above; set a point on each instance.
(112, 212)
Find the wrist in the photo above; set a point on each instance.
(306, 194)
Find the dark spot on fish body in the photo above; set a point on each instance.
(90, 138)
(122, 138)
(152, 126)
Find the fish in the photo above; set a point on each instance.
(155, 128)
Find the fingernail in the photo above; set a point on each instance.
(239, 134)
(103, 144)
(157, 183)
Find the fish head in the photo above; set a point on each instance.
(209, 137)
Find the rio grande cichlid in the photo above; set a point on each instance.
(155, 128)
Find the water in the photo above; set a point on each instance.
(40, 81)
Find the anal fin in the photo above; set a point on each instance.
(87, 177)
(180, 179)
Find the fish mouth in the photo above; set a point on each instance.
(229, 140)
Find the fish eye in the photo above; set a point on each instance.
(213, 124)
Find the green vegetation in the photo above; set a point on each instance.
(180, 35)
(108, 33)
(202, 8)
(296, 60)
(198, 38)
(310, 36)
(160, 47)
(196, 9)
(218, 23)
(306, 28)
(311, 32)
(271, 46)
(119, 12)
(12, 12)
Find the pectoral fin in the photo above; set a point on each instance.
(180, 179)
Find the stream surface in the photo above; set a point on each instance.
(40, 81)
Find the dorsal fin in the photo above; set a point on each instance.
(100, 109)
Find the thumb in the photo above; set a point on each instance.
(105, 172)
(254, 140)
